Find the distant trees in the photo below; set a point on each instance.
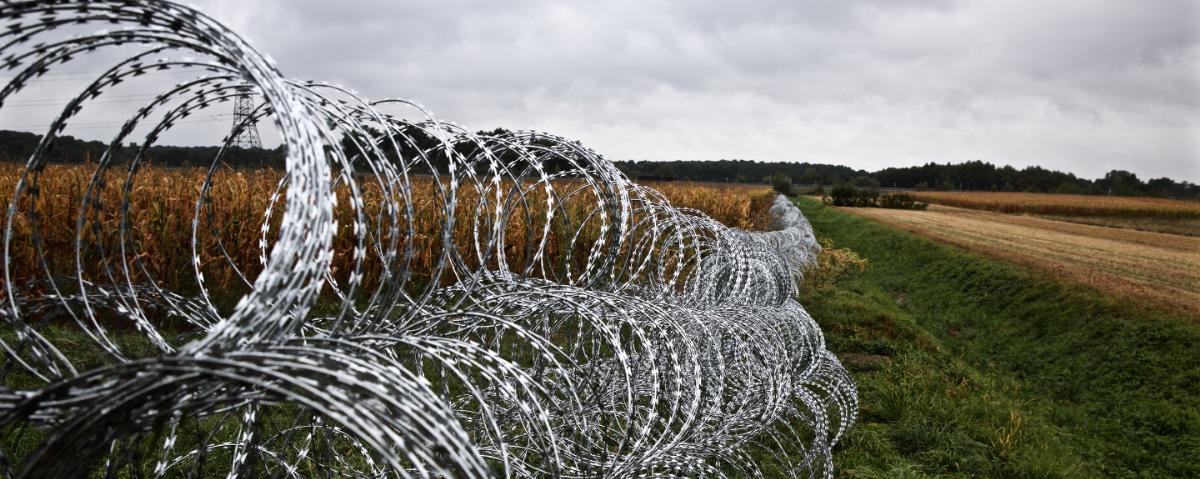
(1120, 182)
(978, 176)
(742, 171)
(972, 175)
(981, 176)
(16, 146)
(868, 182)
(810, 176)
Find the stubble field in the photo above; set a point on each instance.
(1161, 268)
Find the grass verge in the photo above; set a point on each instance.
(973, 367)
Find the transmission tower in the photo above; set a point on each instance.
(243, 105)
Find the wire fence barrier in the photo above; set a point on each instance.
(622, 338)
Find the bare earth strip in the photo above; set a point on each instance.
(1162, 268)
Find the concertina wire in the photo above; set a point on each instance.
(623, 338)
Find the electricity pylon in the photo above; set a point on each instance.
(248, 136)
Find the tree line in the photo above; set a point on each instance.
(739, 171)
(17, 146)
(409, 143)
(966, 176)
(982, 176)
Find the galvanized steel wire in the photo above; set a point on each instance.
(629, 339)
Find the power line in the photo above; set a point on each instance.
(76, 76)
(89, 125)
(62, 101)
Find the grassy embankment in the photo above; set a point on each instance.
(973, 367)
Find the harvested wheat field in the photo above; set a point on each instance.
(1161, 268)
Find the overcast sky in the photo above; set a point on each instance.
(1084, 86)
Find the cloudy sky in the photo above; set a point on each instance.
(1084, 86)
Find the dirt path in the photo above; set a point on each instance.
(1162, 268)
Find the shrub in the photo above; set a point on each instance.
(782, 183)
(867, 197)
(901, 201)
(844, 195)
(847, 194)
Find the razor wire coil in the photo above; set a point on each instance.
(625, 338)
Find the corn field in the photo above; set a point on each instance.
(162, 204)
(1066, 205)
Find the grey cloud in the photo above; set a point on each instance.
(1078, 85)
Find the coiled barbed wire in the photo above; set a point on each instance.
(623, 338)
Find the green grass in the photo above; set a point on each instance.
(972, 367)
